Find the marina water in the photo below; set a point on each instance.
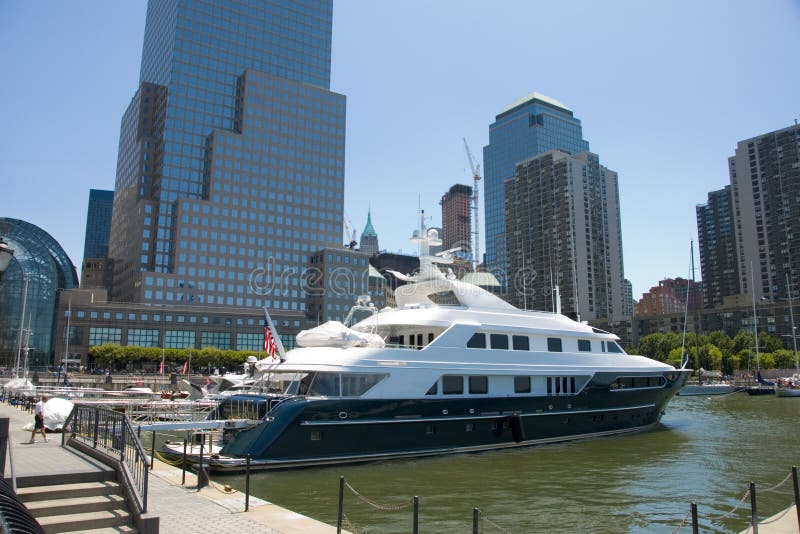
(707, 450)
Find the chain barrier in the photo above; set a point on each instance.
(779, 516)
(377, 505)
(730, 513)
(493, 524)
(683, 522)
(778, 485)
(351, 527)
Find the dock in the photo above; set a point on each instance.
(180, 508)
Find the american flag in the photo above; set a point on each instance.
(270, 346)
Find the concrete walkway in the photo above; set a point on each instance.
(180, 508)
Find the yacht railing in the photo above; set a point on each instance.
(112, 433)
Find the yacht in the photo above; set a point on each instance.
(426, 379)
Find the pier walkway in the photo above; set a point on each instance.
(180, 508)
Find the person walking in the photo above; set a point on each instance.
(38, 418)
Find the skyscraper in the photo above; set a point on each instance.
(98, 223)
(563, 229)
(717, 243)
(457, 219)
(526, 128)
(369, 237)
(765, 181)
(231, 155)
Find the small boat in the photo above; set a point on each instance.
(788, 387)
(709, 383)
(425, 379)
(764, 387)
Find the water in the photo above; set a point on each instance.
(707, 450)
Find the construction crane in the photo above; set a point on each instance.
(348, 227)
(475, 177)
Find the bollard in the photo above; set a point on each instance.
(341, 505)
(796, 494)
(202, 476)
(753, 510)
(694, 518)
(153, 451)
(247, 485)
(476, 519)
(183, 468)
(415, 526)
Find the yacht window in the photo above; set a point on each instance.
(430, 337)
(477, 341)
(323, 384)
(419, 340)
(434, 389)
(356, 384)
(522, 384)
(452, 385)
(395, 340)
(520, 343)
(549, 385)
(499, 341)
(584, 345)
(613, 347)
(554, 344)
(479, 384)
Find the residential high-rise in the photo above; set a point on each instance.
(457, 220)
(717, 243)
(526, 128)
(765, 180)
(231, 155)
(369, 238)
(98, 223)
(563, 230)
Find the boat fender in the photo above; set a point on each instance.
(517, 428)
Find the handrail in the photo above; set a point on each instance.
(113, 433)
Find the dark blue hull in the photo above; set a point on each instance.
(304, 432)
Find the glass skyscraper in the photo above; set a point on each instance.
(231, 155)
(526, 128)
(98, 223)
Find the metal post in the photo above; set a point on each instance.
(122, 442)
(415, 526)
(153, 451)
(476, 519)
(96, 425)
(753, 510)
(694, 518)
(796, 494)
(341, 505)
(183, 468)
(247, 485)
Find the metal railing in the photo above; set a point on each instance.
(112, 433)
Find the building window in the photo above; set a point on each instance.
(179, 339)
(250, 341)
(100, 335)
(220, 340)
(142, 337)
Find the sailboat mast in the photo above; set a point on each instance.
(791, 316)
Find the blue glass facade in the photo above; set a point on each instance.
(39, 268)
(526, 128)
(98, 223)
(233, 120)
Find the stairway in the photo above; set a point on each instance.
(86, 505)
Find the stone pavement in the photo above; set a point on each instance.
(180, 508)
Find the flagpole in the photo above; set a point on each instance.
(278, 342)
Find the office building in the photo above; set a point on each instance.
(231, 157)
(717, 243)
(526, 128)
(765, 180)
(369, 238)
(98, 223)
(670, 296)
(563, 231)
(457, 220)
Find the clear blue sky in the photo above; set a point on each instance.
(664, 91)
